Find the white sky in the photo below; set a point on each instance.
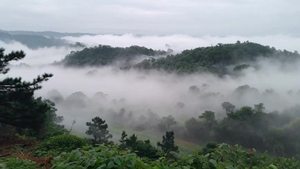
(193, 17)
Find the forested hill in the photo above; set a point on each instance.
(31, 40)
(216, 59)
(106, 55)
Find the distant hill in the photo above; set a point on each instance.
(105, 55)
(220, 59)
(50, 34)
(35, 40)
(216, 59)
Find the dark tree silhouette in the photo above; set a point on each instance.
(18, 107)
(168, 144)
(132, 141)
(98, 130)
(142, 148)
(209, 118)
(123, 139)
(228, 107)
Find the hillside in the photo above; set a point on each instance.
(51, 34)
(217, 58)
(65, 156)
(32, 40)
(106, 55)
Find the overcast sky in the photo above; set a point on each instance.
(193, 17)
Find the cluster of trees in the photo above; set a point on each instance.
(142, 148)
(135, 153)
(215, 59)
(98, 129)
(106, 55)
(249, 127)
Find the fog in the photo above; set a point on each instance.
(81, 94)
(40, 56)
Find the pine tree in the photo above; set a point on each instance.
(98, 130)
(132, 141)
(168, 144)
(18, 107)
(123, 139)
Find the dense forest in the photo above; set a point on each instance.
(37, 138)
(107, 55)
(216, 59)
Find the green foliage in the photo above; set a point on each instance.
(18, 107)
(61, 143)
(209, 119)
(224, 156)
(106, 55)
(52, 125)
(215, 59)
(221, 156)
(123, 140)
(98, 130)
(15, 163)
(249, 127)
(168, 143)
(202, 130)
(102, 157)
(142, 148)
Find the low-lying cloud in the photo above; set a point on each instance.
(101, 91)
(38, 56)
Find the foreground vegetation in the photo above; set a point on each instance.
(212, 157)
(111, 156)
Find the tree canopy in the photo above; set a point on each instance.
(105, 55)
(18, 106)
(98, 130)
(215, 59)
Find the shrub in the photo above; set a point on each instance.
(61, 143)
(15, 163)
(142, 148)
(221, 156)
(102, 157)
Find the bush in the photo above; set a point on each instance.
(60, 143)
(142, 148)
(226, 156)
(221, 156)
(15, 163)
(102, 157)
